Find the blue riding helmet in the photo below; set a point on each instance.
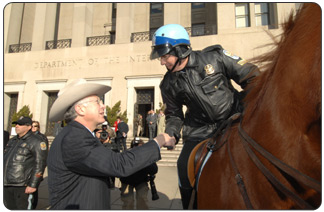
(170, 37)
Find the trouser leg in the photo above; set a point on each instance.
(120, 143)
(35, 199)
(139, 130)
(141, 196)
(124, 143)
(150, 133)
(15, 198)
(8, 198)
(185, 197)
(182, 165)
(127, 197)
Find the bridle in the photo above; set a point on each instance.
(247, 141)
(213, 145)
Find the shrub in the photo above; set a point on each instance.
(24, 111)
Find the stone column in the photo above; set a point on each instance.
(172, 13)
(44, 25)
(82, 23)
(224, 11)
(124, 22)
(12, 14)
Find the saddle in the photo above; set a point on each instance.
(199, 155)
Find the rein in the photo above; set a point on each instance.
(214, 146)
(308, 181)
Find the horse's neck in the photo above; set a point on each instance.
(289, 92)
(283, 109)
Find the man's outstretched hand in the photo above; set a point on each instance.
(164, 140)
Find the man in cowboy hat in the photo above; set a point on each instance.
(78, 164)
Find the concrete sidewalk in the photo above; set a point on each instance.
(166, 183)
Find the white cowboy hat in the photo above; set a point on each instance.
(73, 92)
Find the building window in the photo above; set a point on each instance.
(203, 19)
(112, 37)
(12, 109)
(197, 5)
(114, 11)
(156, 8)
(113, 21)
(242, 15)
(52, 96)
(156, 18)
(261, 14)
(198, 30)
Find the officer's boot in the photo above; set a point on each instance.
(185, 197)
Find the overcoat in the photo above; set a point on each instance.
(78, 167)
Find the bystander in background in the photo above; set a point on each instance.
(24, 164)
(36, 131)
(121, 134)
(151, 120)
(161, 123)
(139, 182)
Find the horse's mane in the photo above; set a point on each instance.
(268, 61)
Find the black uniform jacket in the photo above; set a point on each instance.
(24, 161)
(78, 166)
(204, 87)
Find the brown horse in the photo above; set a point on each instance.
(271, 158)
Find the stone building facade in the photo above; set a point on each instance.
(48, 44)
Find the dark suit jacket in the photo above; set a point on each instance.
(78, 167)
(153, 118)
(122, 127)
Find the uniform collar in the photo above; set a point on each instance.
(26, 135)
(192, 62)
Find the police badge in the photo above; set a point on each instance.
(209, 69)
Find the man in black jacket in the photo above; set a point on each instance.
(200, 80)
(121, 134)
(24, 164)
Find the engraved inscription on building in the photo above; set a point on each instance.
(81, 62)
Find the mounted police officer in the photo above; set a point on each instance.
(200, 80)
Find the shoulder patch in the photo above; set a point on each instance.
(43, 146)
(229, 54)
(242, 62)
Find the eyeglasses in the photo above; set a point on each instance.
(35, 126)
(99, 101)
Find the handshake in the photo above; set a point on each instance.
(164, 140)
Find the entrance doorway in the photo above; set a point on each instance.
(144, 103)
